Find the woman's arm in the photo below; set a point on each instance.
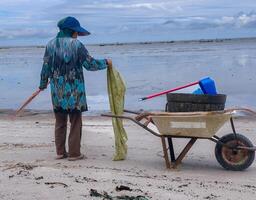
(45, 71)
(90, 63)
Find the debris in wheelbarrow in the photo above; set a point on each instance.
(233, 151)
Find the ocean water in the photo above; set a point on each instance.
(146, 69)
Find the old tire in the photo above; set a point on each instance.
(196, 98)
(231, 158)
(182, 102)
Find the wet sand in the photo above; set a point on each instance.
(29, 170)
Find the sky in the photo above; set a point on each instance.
(33, 22)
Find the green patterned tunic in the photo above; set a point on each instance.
(64, 60)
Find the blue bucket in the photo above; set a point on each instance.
(208, 86)
(198, 91)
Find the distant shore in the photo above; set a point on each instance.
(145, 42)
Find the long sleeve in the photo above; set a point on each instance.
(45, 70)
(89, 62)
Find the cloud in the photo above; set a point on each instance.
(25, 33)
(247, 20)
(127, 5)
(115, 19)
(239, 21)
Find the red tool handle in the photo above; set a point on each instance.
(168, 91)
(29, 100)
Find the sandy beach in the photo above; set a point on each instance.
(107, 56)
(29, 170)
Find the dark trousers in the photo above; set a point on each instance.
(74, 138)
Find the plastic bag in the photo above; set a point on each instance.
(116, 93)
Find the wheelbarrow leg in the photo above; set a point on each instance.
(184, 152)
(166, 158)
(171, 149)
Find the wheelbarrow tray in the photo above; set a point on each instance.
(190, 124)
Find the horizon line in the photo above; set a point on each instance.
(143, 42)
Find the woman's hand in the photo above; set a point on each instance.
(109, 63)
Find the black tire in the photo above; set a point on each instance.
(196, 98)
(182, 102)
(234, 159)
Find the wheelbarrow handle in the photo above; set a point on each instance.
(132, 112)
(241, 109)
(117, 116)
(135, 121)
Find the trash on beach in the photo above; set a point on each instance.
(123, 187)
(39, 178)
(95, 193)
(56, 183)
(106, 196)
(21, 165)
(84, 179)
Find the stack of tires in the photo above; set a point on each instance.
(181, 102)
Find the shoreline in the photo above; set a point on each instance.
(215, 40)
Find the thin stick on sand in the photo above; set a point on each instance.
(56, 183)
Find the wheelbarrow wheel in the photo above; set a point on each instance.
(232, 158)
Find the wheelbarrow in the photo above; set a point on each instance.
(233, 151)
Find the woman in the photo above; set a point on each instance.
(64, 59)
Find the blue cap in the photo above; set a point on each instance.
(72, 24)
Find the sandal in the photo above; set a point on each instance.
(58, 157)
(76, 158)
